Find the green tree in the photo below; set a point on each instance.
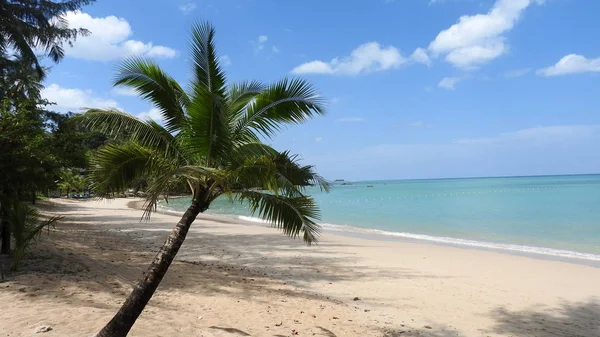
(19, 81)
(211, 140)
(67, 180)
(26, 161)
(29, 25)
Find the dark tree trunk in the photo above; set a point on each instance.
(122, 322)
(4, 230)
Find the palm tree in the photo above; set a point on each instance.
(19, 80)
(27, 25)
(26, 225)
(210, 140)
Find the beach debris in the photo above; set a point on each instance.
(279, 324)
(335, 317)
(314, 316)
(367, 310)
(294, 332)
(357, 299)
(427, 326)
(43, 328)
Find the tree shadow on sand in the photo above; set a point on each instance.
(436, 331)
(577, 319)
(109, 258)
(233, 331)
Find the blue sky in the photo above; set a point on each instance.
(417, 88)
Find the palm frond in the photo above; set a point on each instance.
(299, 175)
(116, 166)
(292, 215)
(207, 71)
(240, 95)
(243, 151)
(115, 123)
(285, 102)
(26, 224)
(278, 173)
(206, 134)
(156, 86)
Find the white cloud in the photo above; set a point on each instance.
(153, 114)
(572, 64)
(350, 119)
(109, 39)
(319, 139)
(225, 60)
(449, 82)
(517, 73)
(368, 57)
(187, 7)
(125, 91)
(477, 39)
(68, 99)
(420, 56)
(260, 43)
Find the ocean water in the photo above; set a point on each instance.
(552, 215)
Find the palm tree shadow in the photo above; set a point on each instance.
(327, 332)
(440, 331)
(231, 330)
(578, 319)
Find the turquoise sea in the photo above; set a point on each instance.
(552, 215)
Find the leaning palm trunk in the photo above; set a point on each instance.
(209, 141)
(123, 321)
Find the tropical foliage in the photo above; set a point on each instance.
(26, 224)
(210, 139)
(29, 161)
(71, 181)
(30, 25)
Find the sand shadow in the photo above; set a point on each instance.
(573, 319)
(231, 330)
(327, 332)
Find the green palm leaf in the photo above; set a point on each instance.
(154, 85)
(285, 102)
(240, 95)
(115, 123)
(293, 215)
(116, 166)
(207, 72)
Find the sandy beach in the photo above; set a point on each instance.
(250, 280)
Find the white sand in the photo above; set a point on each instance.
(248, 280)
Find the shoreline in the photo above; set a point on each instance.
(255, 281)
(542, 253)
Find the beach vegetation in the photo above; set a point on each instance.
(26, 224)
(30, 27)
(31, 154)
(211, 139)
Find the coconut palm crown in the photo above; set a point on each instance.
(210, 138)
